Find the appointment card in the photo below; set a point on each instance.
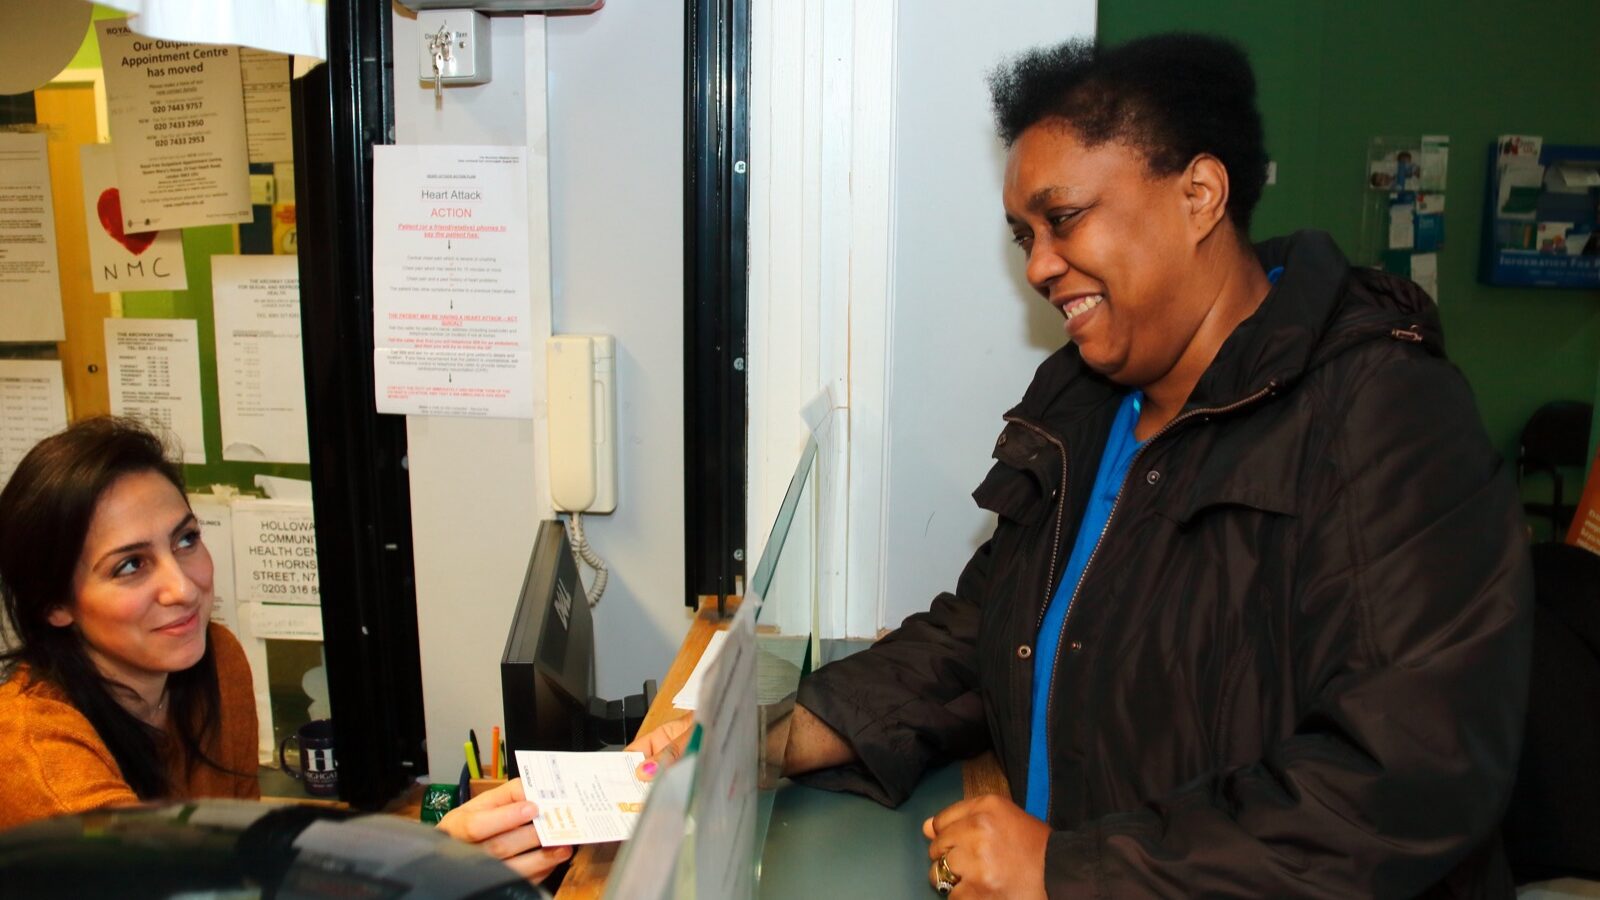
(583, 798)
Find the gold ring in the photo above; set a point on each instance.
(947, 879)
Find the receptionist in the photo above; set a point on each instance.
(118, 687)
(1255, 616)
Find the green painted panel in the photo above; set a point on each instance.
(88, 55)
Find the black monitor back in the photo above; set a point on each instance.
(547, 670)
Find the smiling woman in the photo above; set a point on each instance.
(119, 688)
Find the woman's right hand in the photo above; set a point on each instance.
(501, 822)
(663, 746)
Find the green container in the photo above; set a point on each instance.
(437, 800)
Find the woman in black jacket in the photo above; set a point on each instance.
(1254, 620)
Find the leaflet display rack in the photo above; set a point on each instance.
(1540, 215)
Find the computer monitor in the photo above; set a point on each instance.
(547, 680)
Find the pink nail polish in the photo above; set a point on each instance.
(649, 768)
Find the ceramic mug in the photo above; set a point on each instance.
(318, 770)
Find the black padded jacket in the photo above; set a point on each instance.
(1297, 662)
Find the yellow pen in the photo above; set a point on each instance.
(472, 760)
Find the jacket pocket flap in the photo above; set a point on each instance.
(1197, 503)
(1218, 486)
(1012, 493)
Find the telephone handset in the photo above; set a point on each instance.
(581, 371)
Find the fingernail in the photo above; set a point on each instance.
(566, 852)
(649, 768)
(529, 811)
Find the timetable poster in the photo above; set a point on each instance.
(154, 369)
(260, 373)
(30, 287)
(33, 406)
(451, 309)
(176, 111)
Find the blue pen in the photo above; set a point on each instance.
(464, 786)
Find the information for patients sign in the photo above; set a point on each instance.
(176, 112)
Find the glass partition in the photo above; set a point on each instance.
(670, 856)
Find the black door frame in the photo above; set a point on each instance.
(716, 138)
(358, 457)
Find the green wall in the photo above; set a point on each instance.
(1334, 73)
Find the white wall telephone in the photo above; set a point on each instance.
(581, 370)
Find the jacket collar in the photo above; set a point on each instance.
(1318, 308)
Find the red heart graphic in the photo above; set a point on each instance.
(110, 209)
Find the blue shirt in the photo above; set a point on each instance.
(1114, 462)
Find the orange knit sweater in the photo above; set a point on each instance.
(56, 762)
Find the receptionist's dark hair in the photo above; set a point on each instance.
(1171, 96)
(45, 512)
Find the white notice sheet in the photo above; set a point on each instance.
(583, 798)
(266, 105)
(118, 260)
(216, 532)
(33, 405)
(450, 281)
(154, 369)
(176, 112)
(275, 552)
(30, 286)
(261, 380)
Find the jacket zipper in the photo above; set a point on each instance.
(1050, 695)
(1061, 505)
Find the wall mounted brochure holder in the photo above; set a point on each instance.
(1540, 213)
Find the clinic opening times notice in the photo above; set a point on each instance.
(177, 122)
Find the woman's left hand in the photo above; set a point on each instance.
(501, 822)
(991, 845)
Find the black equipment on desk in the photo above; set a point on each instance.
(547, 682)
(245, 848)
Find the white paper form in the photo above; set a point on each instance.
(216, 532)
(275, 552)
(119, 261)
(33, 405)
(583, 798)
(154, 369)
(261, 380)
(30, 284)
(176, 113)
(265, 76)
(450, 281)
